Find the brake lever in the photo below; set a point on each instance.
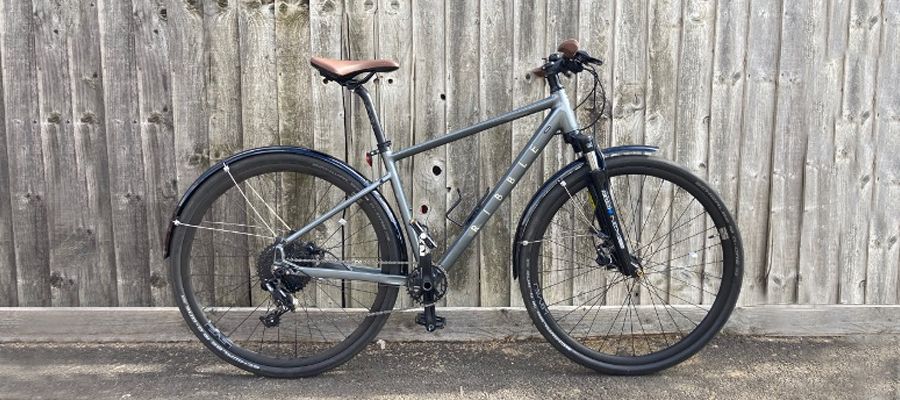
(586, 58)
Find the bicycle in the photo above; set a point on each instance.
(264, 227)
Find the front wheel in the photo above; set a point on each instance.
(678, 231)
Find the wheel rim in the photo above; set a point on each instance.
(622, 320)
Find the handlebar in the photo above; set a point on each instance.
(569, 59)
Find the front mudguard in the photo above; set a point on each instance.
(554, 180)
(396, 229)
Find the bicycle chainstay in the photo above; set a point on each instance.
(378, 263)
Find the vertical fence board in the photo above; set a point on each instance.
(295, 114)
(429, 116)
(155, 113)
(259, 110)
(218, 136)
(464, 101)
(664, 21)
(188, 68)
(529, 47)
(883, 253)
(854, 150)
(495, 147)
(70, 249)
(756, 144)
(26, 169)
(628, 91)
(127, 187)
(562, 24)
(818, 244)
(800, 34)
(8, 290)
(292, 63)
(97, 278)
(727, 95)
(395, 105)
(359, 236)
(595, 36)
(691, 140)
(725, 118)
(325, 33)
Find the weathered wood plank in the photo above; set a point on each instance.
(295, 109)
(158, 141)
(819, 245)
(557, 253)
(66, 202)
(127, 184)
(495, 150)
(802, 34)
(628, 91)
(692, 117)
(854, 149)
(8, 290)
(429, 191)
(292, 63)
(595, 20)
(359, 236)
(326, 38)
(883, 250)
(256, 21)
(217, 136)
(756, 145)
(97, 279)
(185, 30)
(146, 324)
(26, 189)
(529, 31)
(663, 43)
(726, 104)
(464, 102)
(394, 27)
(259, 109)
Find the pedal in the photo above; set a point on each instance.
(430, 320)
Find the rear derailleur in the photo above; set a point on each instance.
(281, 282)
(284, 302)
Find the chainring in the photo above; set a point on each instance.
(416, 290)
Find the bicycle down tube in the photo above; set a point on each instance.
(561, 118)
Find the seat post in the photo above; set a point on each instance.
(361, 91)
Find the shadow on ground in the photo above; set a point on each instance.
(731, 367)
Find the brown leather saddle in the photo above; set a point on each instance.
(345, 70)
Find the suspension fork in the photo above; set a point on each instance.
(605, 209)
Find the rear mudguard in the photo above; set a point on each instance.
(555, 179)
(396, 229)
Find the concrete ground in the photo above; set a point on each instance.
(734, 367)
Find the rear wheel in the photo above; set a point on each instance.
(223, 251)
(677, 229)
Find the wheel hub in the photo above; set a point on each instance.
(269, 270)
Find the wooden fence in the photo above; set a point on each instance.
(791, 109)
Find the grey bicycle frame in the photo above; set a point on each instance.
(561, 118)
